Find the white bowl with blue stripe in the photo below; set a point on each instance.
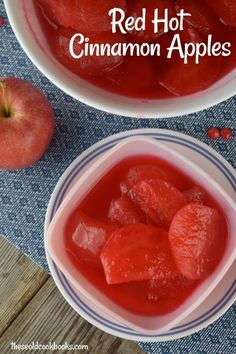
(224, 294)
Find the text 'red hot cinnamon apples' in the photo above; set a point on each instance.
(208, 27)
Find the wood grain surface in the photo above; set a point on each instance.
(33, 310)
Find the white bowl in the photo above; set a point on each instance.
(223, 296)
(25, 24)
(55, 237)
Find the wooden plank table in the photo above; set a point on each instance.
(33, 310)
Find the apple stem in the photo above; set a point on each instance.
(6, 109)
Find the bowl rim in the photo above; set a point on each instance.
(104, 101)
(208, 288)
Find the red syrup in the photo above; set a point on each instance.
(145, 297)
(148, 77)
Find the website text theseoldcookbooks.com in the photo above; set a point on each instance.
(80, 45)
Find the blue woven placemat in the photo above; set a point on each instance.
(24, 195)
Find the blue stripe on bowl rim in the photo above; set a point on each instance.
(60, 196)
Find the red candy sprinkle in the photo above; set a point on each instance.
(213, 133)
(2, 21)
(226, 133)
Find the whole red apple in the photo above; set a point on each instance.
(26, 123)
